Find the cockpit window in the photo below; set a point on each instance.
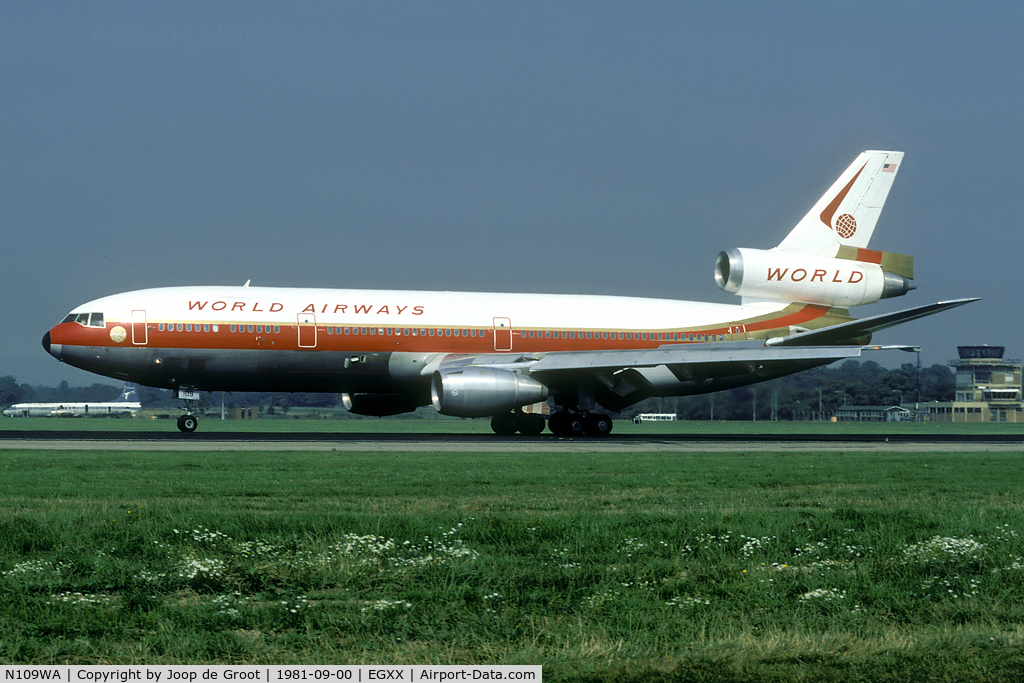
(87, 319)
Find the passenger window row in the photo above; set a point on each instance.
(96, 320)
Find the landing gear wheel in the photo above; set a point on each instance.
(597, 424)
(531, 424)
(188, 423)
(505, 424)
(564, 423)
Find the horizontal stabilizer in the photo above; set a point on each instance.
(843, 333)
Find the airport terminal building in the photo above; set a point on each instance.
(988, 388)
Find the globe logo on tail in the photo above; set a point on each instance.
(846, 226)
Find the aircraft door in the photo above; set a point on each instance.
(502, 334)
(140, 336)
(307, 331)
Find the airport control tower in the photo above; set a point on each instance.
(988, 388)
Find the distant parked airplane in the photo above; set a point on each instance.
(473, 354)
(126, 404)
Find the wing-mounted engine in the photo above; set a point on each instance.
(473, 391)
(781, 276)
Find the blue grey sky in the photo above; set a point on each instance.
(570, 147)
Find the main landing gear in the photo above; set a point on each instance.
(562, 423)
(527, 424)
(565, 423)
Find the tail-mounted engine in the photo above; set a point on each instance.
(482, 391)
(782, 276)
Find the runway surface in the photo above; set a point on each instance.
(340, 441)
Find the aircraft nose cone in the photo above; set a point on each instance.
(51, 348)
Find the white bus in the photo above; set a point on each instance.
(654, 417)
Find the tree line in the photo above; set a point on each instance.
(814, 394)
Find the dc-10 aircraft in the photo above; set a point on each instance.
(475, 354)
(126, 404)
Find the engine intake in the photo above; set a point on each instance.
(482, 392)
(781, 276)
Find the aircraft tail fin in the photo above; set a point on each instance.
(846, 215)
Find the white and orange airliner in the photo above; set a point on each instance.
(487, 355)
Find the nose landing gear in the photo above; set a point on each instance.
(188, 422)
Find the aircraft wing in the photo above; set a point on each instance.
(619, 378)
(748, 352)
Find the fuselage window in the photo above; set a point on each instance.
(465, 333)
(690, 337)
(180, 327)
(391, 331)
(621, 336)
(206, 328)
(572, 334)
(188, 327)
(234, 329)
(472, 333)
(373, 331)
(430, 332)
(348, 330)
(364, 330)
(160, 327)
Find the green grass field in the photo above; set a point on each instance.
(752, 565)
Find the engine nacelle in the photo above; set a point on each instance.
(481, 392)
(781, 276)
(379, 405)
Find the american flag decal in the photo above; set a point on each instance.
(889, 168)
